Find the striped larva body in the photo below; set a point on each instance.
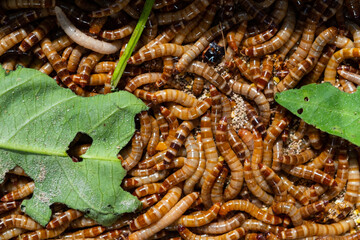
(64, 218)
(137, 147)
(147, 189)
(19, 193)
(234, 234)
(44, 233)
(209, 182)
(118, 33)
(217, 195)
(200, 218)
(191, 113)
(111, 9)
(154, 139)
(139, 181)
(86, 233)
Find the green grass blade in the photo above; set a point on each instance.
(120, 67)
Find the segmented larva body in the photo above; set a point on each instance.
(19, 193)
(277, 155)
(154, 139)
(177, 96)
(7, 206)
(104, 67)
(37, 35)
(234, 234)
(190, 113)
(209, 73)
(66, 53)
(147, 189)
(223, 226)
(237, 145)
(87, 66)
(254, 119)
(234, 38)
(295, 191)
(118, 33)
(290, 210)
(314, 229)
(314, 137)
(261, 37)
(115, 7)
(217, 195)
(18, 221)
(255, 69)
(11, 233)
(158, 211)
(243, 68)
(200, 218)
(114, 234)
(74, 58)
(60, 67)
(43, 233)
(189, 168)
(276, 183)
(64, 218)
(295, 36)
(266, 73)
(137, 147)
(14, 38)
(18, 4)
(171, 216)
(336, 59)
(207, 138)
(97, 24)
(208, 183)
(198, 85)
(159, 50)
(180, 136)
(141, 172)
(190, 182)
(253, 185)
(353, 77)
(311, 174)
(205, 40)
(188, 13)
(161, 121)
(86, 233)
(216, 108)
(138, 181)
(277, 41)
(328, 152)
(246, 206)
(247, 137)
(253, 94)
(145, 127)
(313, 208)
(237, 174)
(296, 159)
(353, 183)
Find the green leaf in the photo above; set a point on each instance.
(38, 121)
(135, 36)
(325, 107)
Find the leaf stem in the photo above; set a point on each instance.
(135, 36)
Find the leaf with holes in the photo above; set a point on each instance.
(39, 120)
(325, 107)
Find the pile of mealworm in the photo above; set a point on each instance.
(215, 157)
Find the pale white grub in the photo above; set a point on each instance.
(84, 40)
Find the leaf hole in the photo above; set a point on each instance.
(300, 111)
(306, 99)
(78, 146)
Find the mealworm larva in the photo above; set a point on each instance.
(64, 218)
(209, 73)
(243, 68)
(35, 36)
(188, 13)
(255, 120)
(342, 42)
(94, 80)
(190, 182)
(352, 77)
(167, 71)
(355, 32)
(314, 137)
(138, 181)
(18, 221)
(331, 10)
(60, 67)
(115, 7)
(311, 174)
(246, 206)
(198, 85)
(217, 189)
(200, 218)
(205, 40)
(208, 183)
(177, 96)
(295, 36)
(266, 73)
(19, 193)
(83, 222)
(176, 163)
(114, 234)
(7, 206)
(11, 233)
(104, 67)
(74, 58)
(23, 19)
(347, 86)
(118, 33)
(247, 137)
(290, 210)
(353, 183)
(144, 95)
(163, 124)
(253, 94)
(237, 145)
(315, 229)
(255, 69)
(155, 137)
(236, 169)
(173, 124)
(158, 211)
(253, 185)
(234, 38)
(151, 161)
(234, 234)
(150, 30)
(137, 147)
(87, 66)
(190, 113)
(272, 134)
(328, 152)
(14, 38)
(147, 189)
(301, 130)
(18, 4)
(277, 41)
(276, 183)
(82, 39)
(277, 155)
(296, 159)
(295, 191)
(226, 108)
(259, 226)
(97, 24)
(66, 53)
(86, 233)
(190, 165)
(207, 138)
(261, 37)
(180, 136)
(313, 208)
(216, 108)
(46, 68)
(145, 127)
(167, 219)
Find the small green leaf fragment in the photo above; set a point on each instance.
(328, 108)
(38, 121)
